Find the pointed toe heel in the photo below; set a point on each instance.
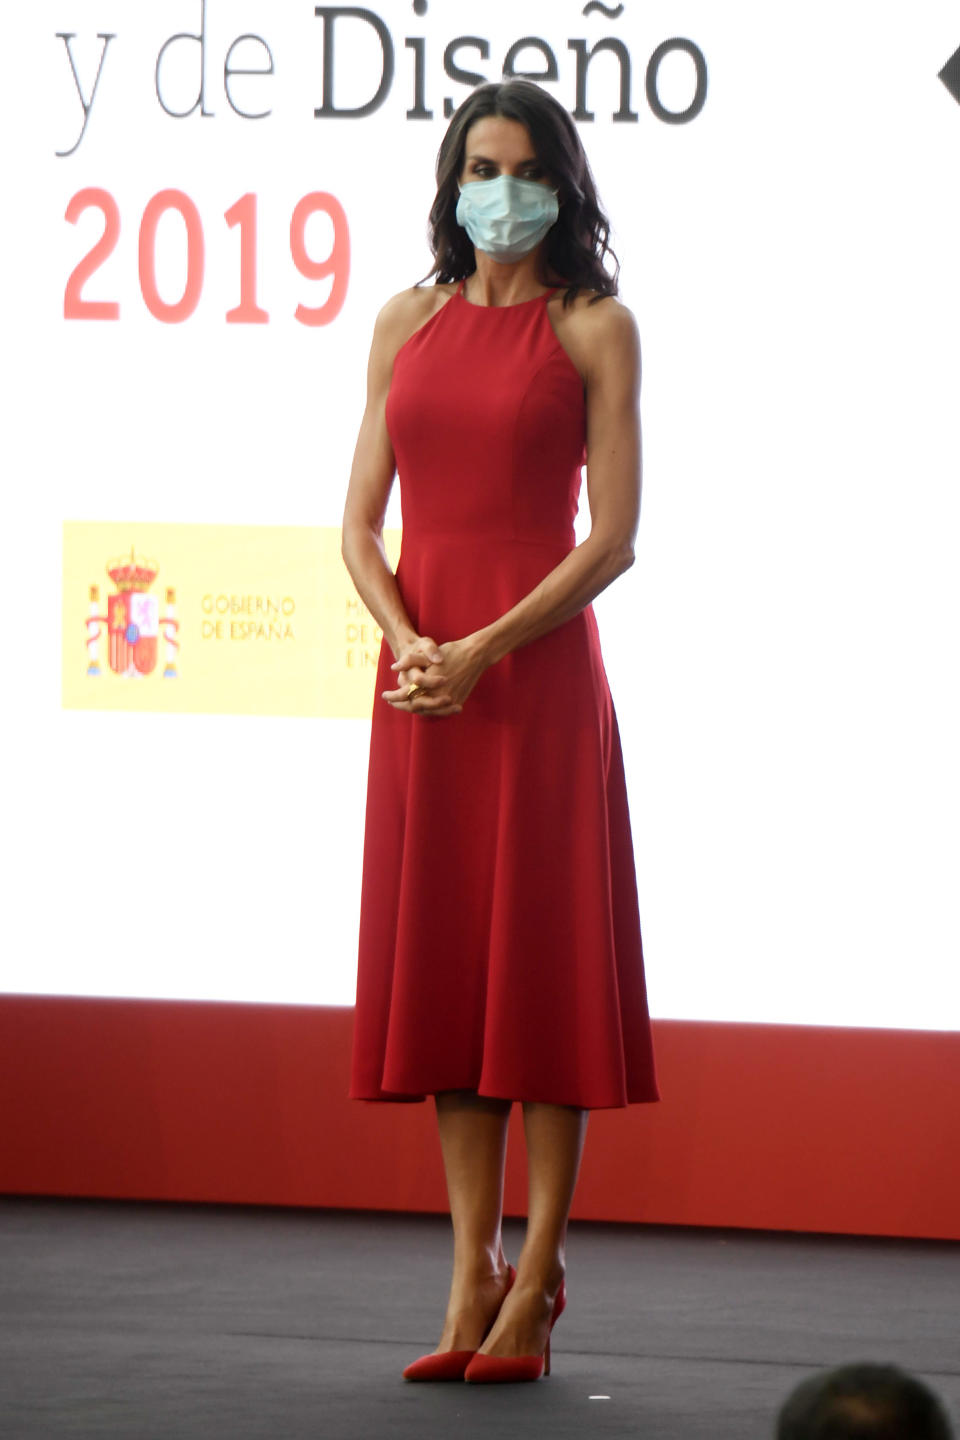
(513, 1369)
(503, 1370)
(450, 1364)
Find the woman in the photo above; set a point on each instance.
(500, 952)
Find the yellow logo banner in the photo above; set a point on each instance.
(224, 619)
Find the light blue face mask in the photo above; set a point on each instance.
(506, 217)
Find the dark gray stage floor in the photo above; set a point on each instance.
(132, 1320)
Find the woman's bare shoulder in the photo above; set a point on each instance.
(593, 313)
(405, 312)
(594, 326)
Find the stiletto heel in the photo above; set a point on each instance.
(505, 1369)
(451, 1364)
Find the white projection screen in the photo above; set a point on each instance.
(207, 204)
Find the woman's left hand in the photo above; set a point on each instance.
(444, 685)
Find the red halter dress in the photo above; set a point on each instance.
(500, 945)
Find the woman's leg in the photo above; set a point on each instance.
(555, 1135)
(473, 1138)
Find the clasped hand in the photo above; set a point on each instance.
(444, 673)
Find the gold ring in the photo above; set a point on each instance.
(412, 692)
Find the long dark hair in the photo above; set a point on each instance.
(579, 243)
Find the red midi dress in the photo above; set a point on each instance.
(500, 946)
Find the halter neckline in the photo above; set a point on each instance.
(459, 295)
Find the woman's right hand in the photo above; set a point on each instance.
(414, 655)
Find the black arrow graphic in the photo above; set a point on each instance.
(950, 75)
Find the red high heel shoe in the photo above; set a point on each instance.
(451, 1364)
(504, 1369)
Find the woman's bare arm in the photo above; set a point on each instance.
(606, 349)
(373, 471)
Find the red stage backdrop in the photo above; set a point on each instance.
(782, 1127)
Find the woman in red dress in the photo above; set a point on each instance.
(500, 954)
